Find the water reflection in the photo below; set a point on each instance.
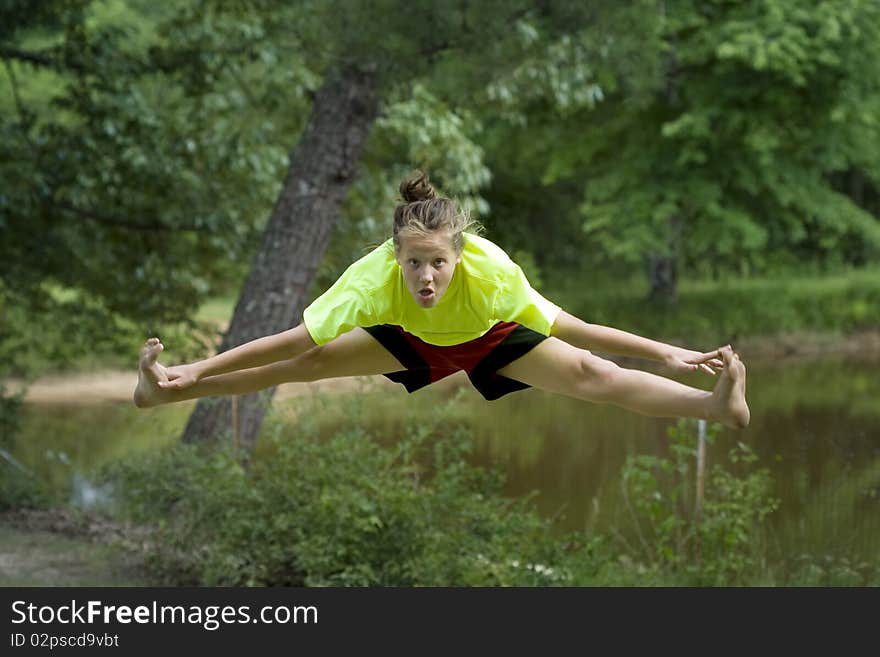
(815, 427)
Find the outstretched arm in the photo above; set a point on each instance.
(262, 351)
(614, 341)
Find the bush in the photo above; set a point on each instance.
(341, 512)
(725, 543)
(832, 570)
(20, 489)
(345, 511)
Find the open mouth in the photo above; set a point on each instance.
(426, 293)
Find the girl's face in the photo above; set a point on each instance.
(427, 263)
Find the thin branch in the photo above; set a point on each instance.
(634, 518)
(124, 223)
(25, 56)
(19, 106)
(15, 95)
(50, 58)
(620, 537)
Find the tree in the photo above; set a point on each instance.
(732, 154)
(366, 51)
(322, 167)
(125, 184)
(143, 143)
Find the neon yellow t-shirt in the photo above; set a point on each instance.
(486, 287)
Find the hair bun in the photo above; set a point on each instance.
(417, 188)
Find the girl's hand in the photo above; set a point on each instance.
(686, 360)
(179, 377)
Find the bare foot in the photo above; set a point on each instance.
(729, 397)
(150, 372)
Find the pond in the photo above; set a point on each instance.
(815, 428)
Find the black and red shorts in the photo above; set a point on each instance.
(480, 358)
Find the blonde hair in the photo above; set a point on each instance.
(423, 212)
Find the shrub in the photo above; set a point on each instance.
(726, 543)
(831, 570)
(340, 512)
(21, 490)
(346, 511)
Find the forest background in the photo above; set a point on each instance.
(699, 172)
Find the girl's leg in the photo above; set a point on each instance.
(558, 367)
(355, 353)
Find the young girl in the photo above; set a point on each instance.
(436, 299)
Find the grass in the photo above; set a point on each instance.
(821, 284)
(217, 310)
(712, 312)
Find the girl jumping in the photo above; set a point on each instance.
(435, 299)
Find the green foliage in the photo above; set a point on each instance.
(19, 488)
(559, 70)
(832, 570)
(56, 329)
(722, 545)
(143, 144)
(344, 512)
(139, 174)
(439, 140)
(732, 151)
(10, 418)
(90, 185)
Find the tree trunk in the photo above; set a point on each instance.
(322, 166)
(663, 268)
(664, 279)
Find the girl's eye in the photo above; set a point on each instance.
(437, 263)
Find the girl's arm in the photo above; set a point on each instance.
(262, 351)
(614, 341)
